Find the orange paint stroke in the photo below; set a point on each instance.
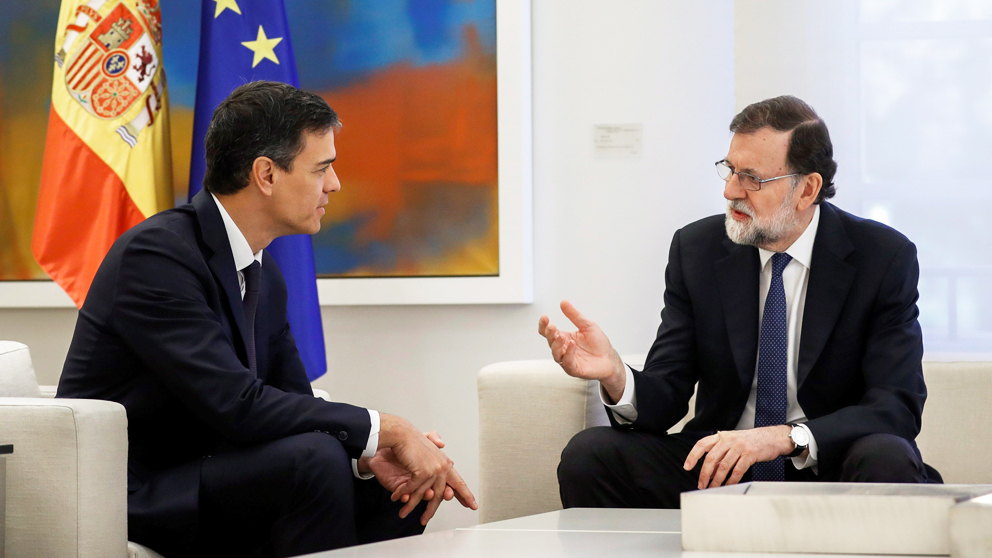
(433, 124)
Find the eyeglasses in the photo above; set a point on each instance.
(748, 181)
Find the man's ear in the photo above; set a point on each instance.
(809, 189)
(263, 175)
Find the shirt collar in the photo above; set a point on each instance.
(239, 244)
(802, 249)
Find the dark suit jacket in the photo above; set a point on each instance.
(161, 332)
(861, 346)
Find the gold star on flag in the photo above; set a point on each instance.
(226, 5)
(262, 47)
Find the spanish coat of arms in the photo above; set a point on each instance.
(113, 61)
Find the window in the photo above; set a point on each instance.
(905, 87)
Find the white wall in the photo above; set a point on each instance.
(602, 227)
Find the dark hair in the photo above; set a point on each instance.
(810, 149)
(261, 118)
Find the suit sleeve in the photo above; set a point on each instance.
(285, 370)
(891, 367)
(665, 385)
(161, 312)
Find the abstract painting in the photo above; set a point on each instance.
(414, 83)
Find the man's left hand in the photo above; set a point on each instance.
(734, 451)
(391, 474)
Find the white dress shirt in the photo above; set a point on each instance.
(795, 278)
(243, 257)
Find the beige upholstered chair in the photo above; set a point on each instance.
(67, 477)
(528, 410)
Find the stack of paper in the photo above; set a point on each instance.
(842, 518)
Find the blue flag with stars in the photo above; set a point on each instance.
(242, 41)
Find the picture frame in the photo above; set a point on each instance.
(514, 282)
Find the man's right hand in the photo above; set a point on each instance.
(586, 353)
(430, 470)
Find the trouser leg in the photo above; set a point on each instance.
(377, 518)
(292, 496)
(287, 497)
(608, 467)
(884, 458)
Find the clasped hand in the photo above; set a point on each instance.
(413, 468)
(733, 452)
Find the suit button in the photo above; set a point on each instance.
(342, 436)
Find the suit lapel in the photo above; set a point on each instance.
(830, 279)
(221, 261)
(737, 274)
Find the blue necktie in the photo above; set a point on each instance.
(773, 348)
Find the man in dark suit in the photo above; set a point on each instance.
(230, 454)
(797, 321)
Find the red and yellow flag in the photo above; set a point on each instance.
(108, 161)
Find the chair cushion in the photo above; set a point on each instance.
(17, 378)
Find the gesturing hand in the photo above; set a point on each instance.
(586, 353)
(733, 452)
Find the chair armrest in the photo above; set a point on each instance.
(956, 437)
(528, 411)
(67, 477)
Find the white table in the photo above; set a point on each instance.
(578, 532)
(575, 532)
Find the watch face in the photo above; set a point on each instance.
(799, 437)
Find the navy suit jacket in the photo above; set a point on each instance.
(162, 333)
(860, 352)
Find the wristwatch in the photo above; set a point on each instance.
(799, 437)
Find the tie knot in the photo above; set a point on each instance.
(779, 261)
(251, 273)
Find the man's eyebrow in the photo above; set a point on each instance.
(325, 162)
(747, 170)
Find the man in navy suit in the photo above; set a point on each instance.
(230, 454)
(796, 323)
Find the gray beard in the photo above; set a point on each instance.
(760, 232)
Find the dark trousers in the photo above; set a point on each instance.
(292, 496)
(606, 467)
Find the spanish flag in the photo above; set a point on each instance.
(108, 161)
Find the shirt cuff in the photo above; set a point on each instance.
(810, 460)
(371, 446)
(625, 410)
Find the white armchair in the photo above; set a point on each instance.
(67, 477)
(529, 410)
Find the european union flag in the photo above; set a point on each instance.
(242, 41)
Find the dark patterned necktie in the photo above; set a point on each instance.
(250, 302)
(773, 348)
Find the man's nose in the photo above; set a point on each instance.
(331, 182)
(733, 189)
